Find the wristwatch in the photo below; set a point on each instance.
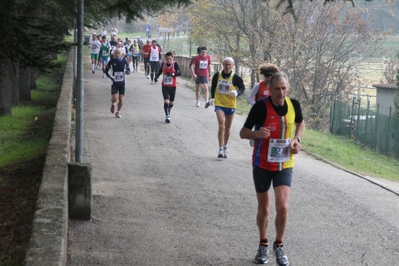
(298, 139)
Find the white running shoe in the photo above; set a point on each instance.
(118, 115)
(225, 152)
(198, 104)
(167, 120)
(220, 153)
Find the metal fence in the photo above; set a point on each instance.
(366, 125)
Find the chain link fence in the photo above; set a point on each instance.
(366, 125)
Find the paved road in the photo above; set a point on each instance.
(161, 197)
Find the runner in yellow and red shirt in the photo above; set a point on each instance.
(279, 126)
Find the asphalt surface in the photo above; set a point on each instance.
(161, 197)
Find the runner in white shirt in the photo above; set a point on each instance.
(94, 46)
(155, 59)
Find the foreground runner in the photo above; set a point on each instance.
(226, 86)
(120, 67)
(170, 71)
(273, 159)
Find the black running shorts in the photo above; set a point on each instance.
(169, 93)
(263, 178)
(118, 88)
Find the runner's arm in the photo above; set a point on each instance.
(107, 68)
(252, 93)
(177, 69)
(239, 83)
(256, 117)
(160, 71)
(214, 85)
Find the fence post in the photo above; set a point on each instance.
(351, 118)
(389, 127)
(359, 101)
(376, 125)
(332, 114)
(367, 115)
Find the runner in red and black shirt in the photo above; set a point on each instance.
(170, 70)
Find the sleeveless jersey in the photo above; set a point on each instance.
(274, 153)
(169, 81)
(223, 98)
(135, 50)
(154, 54)
(263, 91)
(105, 48)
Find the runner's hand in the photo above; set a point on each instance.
(263, 133)
(212, 101)
(234, 93)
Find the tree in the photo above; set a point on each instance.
(35, 29)
(318, 49)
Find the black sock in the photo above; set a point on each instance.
(166, 108)
(264, 242)
(152, 77)
(170, 107)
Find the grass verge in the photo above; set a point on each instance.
(25, 136)
(349, 155)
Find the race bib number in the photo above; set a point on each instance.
(224, 87)
(119, 76)
(167, 80)
(279, 150)
(203, 64)
(105, 53)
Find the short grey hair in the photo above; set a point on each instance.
(276, 76)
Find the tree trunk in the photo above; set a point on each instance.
(5, 91)
(25, 84)
(13, 77)
(34, 75)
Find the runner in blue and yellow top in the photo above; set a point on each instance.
(120, 68)
(226, 86)
(279, 126)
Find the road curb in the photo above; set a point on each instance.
(48, 241)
